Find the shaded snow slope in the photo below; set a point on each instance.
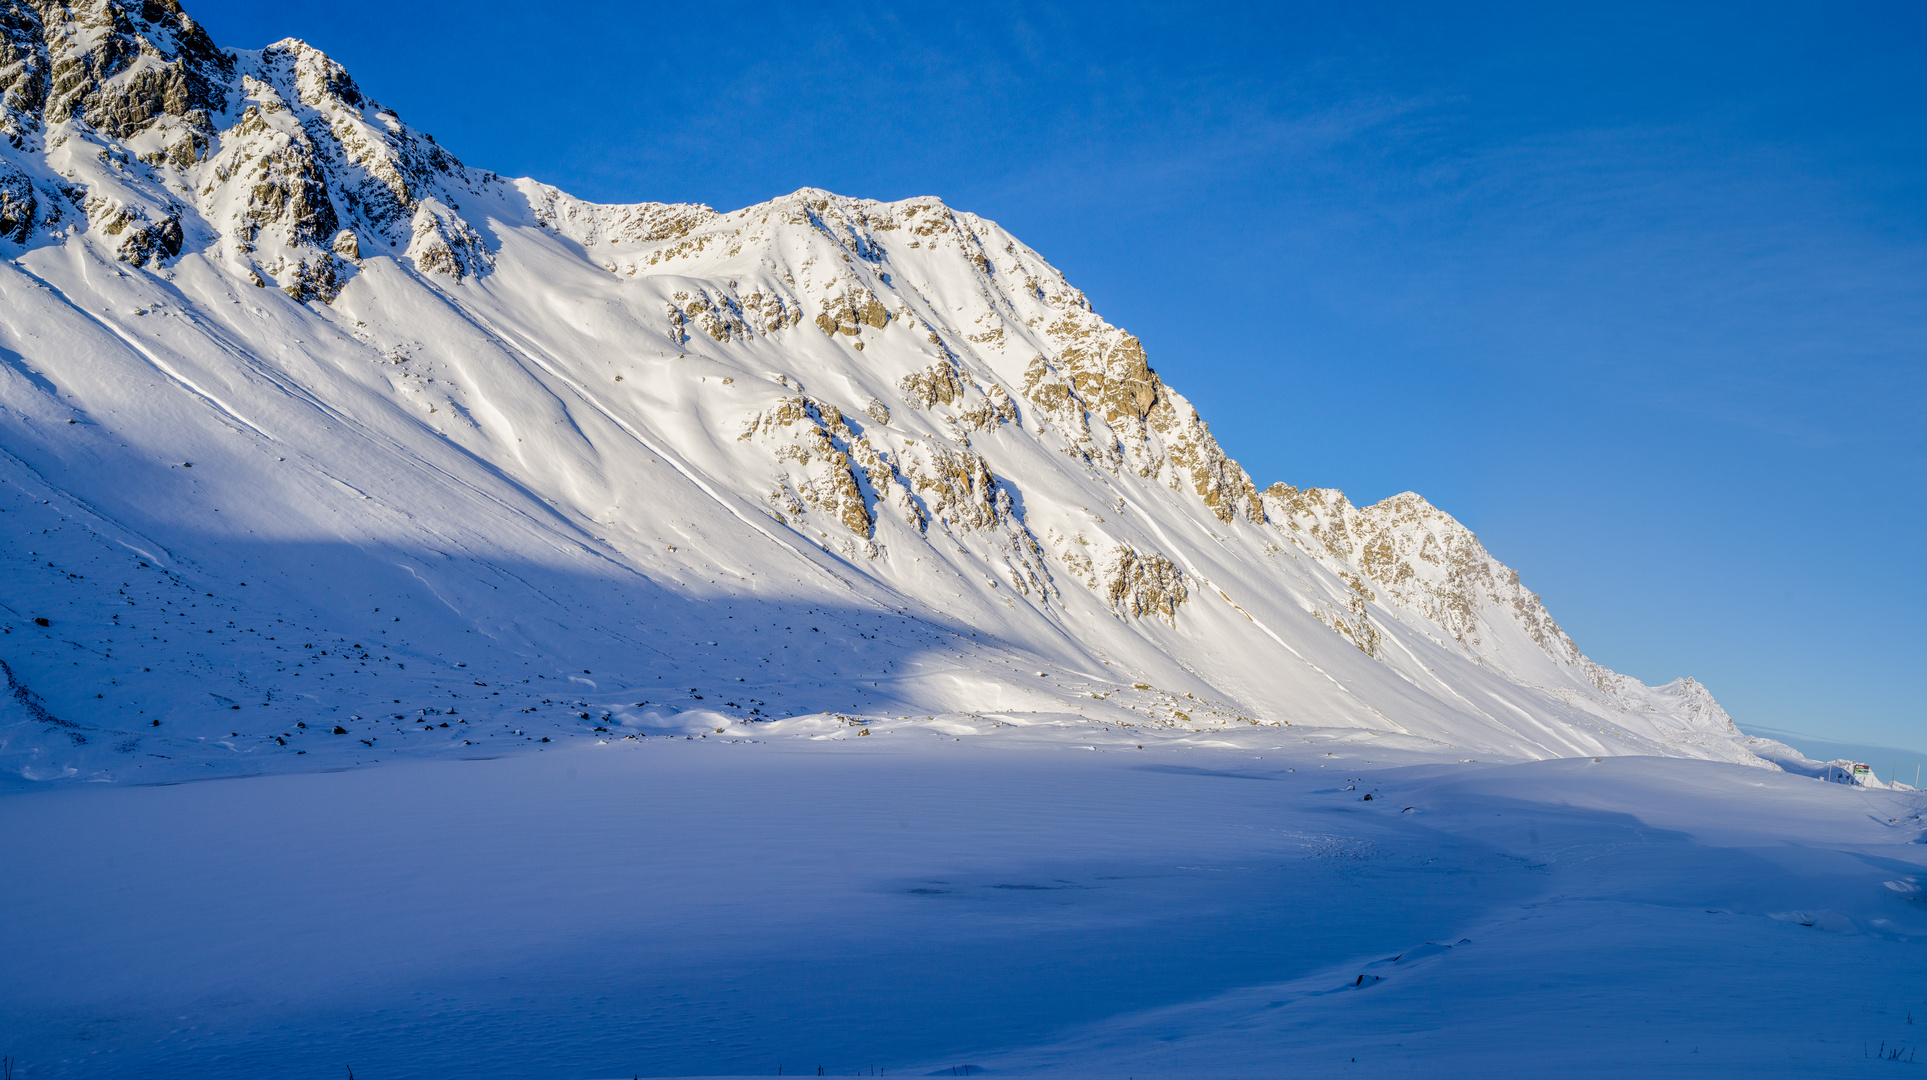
(321, 447)
(910, 904)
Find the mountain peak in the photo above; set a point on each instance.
(585, 430)
(116, 66)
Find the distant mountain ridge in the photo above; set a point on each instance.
(506, 410)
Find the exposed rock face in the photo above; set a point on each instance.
(19, 207)
(803, 435)
(1139, 584)
(982, 413)
(118, 67)
(442, 243)
(273, 155)
(1106, 365)
(849, 312)
(958, 487)
(1421, 558)
(1216, 479)
(1101, 372)
(141, 238)
(938, 385)
(599, 226)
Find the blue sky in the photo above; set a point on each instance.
(1638, 293)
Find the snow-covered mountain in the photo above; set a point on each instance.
(322, 446)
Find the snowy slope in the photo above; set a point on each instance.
(322, 447)
(910, 904)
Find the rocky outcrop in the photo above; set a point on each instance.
(1422, 560)
(993, 408)
(1106, 366)
(139, 237)
(960, 494)
(276, 176)
(957, 485)
(442, 243)
(1141, 584)
(724, 315)
(816, 473)
(19, 205)
(599, 226)
(115, 66)
(850, 311)
(939, 384)
(1193, 455)
(277, 152)
(1100, 373)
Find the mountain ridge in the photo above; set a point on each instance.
(898, 402)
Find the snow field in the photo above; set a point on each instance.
(690, 907)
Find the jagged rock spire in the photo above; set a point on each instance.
(114, 64)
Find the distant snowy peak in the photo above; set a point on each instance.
(1406, 551)
(1422, 559)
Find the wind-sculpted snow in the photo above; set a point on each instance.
(323, 447)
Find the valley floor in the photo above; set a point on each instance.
(919, 903)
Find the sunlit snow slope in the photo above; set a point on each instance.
(320, 446)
